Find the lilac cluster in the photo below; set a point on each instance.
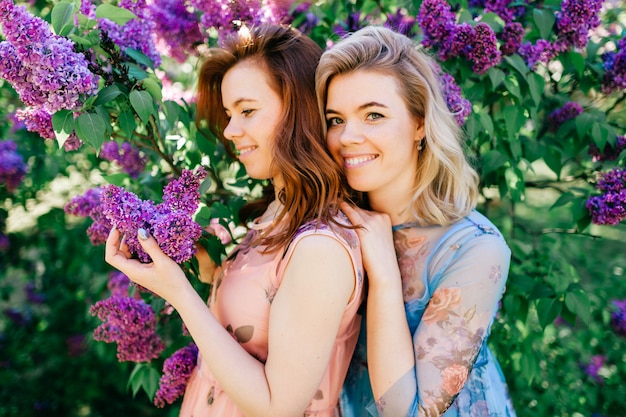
(32, 295)
(574, 21)
(176, 372)
(131, 323)
(41, 66)
(567, 112)
(401, 22)
(353, 22)
(310, 20)
(512, 38)
(130, 159)
(90, 205)
(593, 367)
(228, 16)
(503, 9)
(476, 43)
(615, 68)
(12, 166)
(460, 106)
(610, 153)
(618, 317)
(609, 208)
(135, 34)
(118, 284)
(176, 27)
(170, 222)
(541, 51)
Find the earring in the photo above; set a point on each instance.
(419, 145)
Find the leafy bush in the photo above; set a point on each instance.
(94, 95)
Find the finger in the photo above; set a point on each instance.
(150, 245)
(124, 248)
(352, 214)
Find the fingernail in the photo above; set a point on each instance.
(143, 234)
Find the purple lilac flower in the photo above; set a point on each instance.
(437, 22)
(75, 345)
(610, 152)
(615, 68)
(118, 284)
(41, 66)
(401, 22)
(538, 53)
(176, 372)
(131, 323)
(170, 222)
(484, 53)
(458, 105)
(609, 208)
(20, 318)
(130, 159)
(5, 242)
(32, 295)
(567, 112)
(12, 166)
(512, 37)
(176, 27)
(593, 367)
(89, 205)
(503, 9)
(352, 23)
(618, 317)
(137, 33)
(37, 120)
(574, 21)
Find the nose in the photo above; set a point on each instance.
(232, 130)
(351, 134)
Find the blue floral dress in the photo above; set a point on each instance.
(453, 278)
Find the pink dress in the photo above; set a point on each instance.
(241, 299)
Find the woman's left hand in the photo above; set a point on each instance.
(162, 276)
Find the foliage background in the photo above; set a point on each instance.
(537, 174)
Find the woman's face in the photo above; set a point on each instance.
(372, 134)
(254, 110)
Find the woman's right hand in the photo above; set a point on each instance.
(379, 254)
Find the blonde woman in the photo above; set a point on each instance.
(436, 268)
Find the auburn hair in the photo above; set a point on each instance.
(313, 182)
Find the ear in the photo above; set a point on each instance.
(419, 131)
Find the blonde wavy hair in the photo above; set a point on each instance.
(446, 186)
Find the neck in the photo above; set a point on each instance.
(396, 205)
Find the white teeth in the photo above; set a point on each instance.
(246, 149)
(359, 159)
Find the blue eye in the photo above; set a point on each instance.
(374, 116)
(334, 121)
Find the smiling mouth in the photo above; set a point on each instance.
(247, 149)
(354, 161)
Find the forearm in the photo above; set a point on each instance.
(240, 375)
(389, 343)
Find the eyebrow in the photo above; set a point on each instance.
(361, 107)
(238, 102)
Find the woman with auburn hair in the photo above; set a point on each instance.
(436, 268)
(280, 326)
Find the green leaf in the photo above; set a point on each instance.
(62, 16)
(492, 161)
(554, 160)
(107, 94)
(90, 128)
(139, 57)
(127, 123)
(536, 84)
(518, 63)
(512, 85)
(171, 110)
(578, 61)
(63, 125)
(118, 179)
(548, 309)
(583, 124)
(116, 14)
(487, 123)
(153, 87)
(565, 198)
(496, 77)
(578, 303)
(544, 20)
(142, 103)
